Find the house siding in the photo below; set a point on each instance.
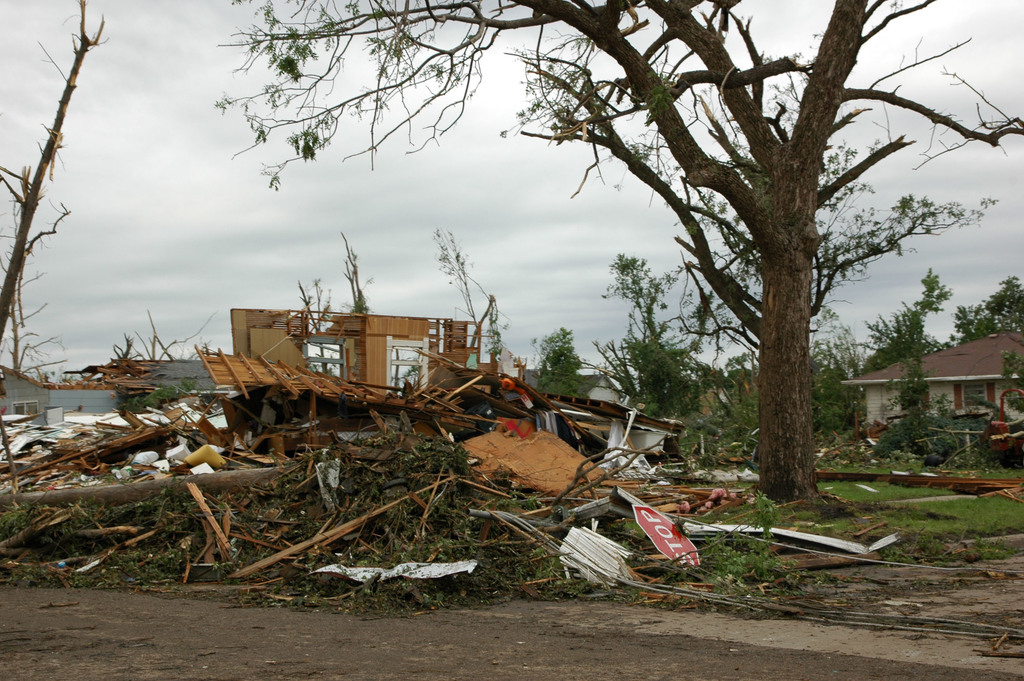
(878, 403)
(86, 401)
(19, 390)
(878, 398)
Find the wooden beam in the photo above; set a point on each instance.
(234, 374)
(218, 533)
(330, 535)
(284, 381)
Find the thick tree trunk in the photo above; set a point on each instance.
(137, 491)
(786, 438)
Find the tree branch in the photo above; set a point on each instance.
(996, 130)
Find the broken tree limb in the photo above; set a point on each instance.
(136, 491)
(113, 549)
(92, 533)
(19, 538)
(48, 519)
(218, 533)
(333, 534)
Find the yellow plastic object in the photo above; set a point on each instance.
(205, 454)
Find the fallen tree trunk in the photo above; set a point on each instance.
(136, 491)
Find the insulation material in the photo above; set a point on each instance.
(542, 462)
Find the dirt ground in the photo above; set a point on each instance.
(86, 635)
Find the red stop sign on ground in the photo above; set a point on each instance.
(666, 536)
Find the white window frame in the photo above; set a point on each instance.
(398, 359)
(21, 407)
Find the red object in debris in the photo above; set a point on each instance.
(998, 428)
(524, 428)
(1010, 449)
(665, 535)
(1001, 427)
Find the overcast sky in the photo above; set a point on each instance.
(168, 219)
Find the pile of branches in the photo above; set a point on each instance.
(392, 500)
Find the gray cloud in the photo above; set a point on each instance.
(167, 219)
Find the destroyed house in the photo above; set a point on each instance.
(373, 349)
(274, 408)
(306, 378)
(27, 395)
(592, 386)
(99, 388)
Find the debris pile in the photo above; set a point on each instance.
(382, 502)
(336, 525)
(267, 479)
(265, 413)
(301, 487)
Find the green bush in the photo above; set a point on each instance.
(927, 433)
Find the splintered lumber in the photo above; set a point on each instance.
(965, 485)
(218, 533)
(333, 534)
(99, 450)
(136, 491)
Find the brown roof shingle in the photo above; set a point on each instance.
(976, 359)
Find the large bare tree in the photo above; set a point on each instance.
(753, 153)
(27, 187)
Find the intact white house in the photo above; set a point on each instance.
(969, 376)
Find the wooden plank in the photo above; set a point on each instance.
(222, 541)
(313, 387)
(239, 333)
(210, 432)
(206, 363)
(462, 387)
(275, 345)
(376, 360)
(239, 383)
(282, 379)
(256, 375)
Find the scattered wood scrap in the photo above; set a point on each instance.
(958, 484)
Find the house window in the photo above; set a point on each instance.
(26, 407)
(407, 360)
(326, 354)
(975, 394)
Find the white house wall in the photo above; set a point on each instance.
(878, 399)
(878, 403)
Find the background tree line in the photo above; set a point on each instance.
(661, 368)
